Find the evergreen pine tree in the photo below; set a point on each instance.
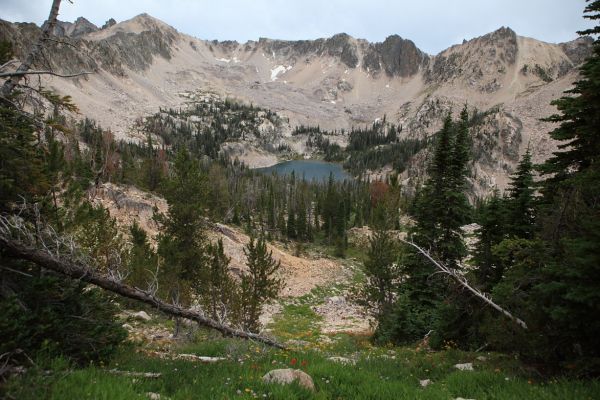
(440, 209)
(490, 233)
(520, 202)
(21, 163)
(457, 208)
(430, 205)
(259, 284)
(382, 273)
(291, 223)
(142, 257)
(571, 215)
(182, 240)
(271, 208)
(301, 222)
(219, 294)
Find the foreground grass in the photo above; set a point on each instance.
(379, 373)
(371, 372)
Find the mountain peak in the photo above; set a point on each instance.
(138, 24)
(148, 21)
(504, 31)
(76, 29)
(144, 17)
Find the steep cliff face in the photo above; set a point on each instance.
(340, 46)
(395, 56)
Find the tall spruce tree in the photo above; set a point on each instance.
(457, 208)
(301, 222)
(430, 205)
(571, 214)
(182, 241)
(490, 233)
(441, 208)
(521, 200)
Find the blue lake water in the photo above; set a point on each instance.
(308, 169)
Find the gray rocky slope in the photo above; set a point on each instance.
(338, 82)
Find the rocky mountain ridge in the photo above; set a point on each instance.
(143, 64)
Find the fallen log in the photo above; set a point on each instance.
(152, 375)
(185, 357)
(46, 258)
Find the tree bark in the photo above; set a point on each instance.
(11, 83)
(82, 272)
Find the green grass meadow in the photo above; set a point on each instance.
(379, 373)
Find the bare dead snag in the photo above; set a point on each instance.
(463, 282)
(51, 258)
(15, 77)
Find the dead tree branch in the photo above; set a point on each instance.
(9, 62)
(23, 73)
(47, 29)
(44, 247)
(15, 77)
(463, 282)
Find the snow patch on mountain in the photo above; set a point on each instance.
(280, 69)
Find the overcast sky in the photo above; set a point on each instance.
(433, 25)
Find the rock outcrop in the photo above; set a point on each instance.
(76, 29)
(477, 61)
(395, 56)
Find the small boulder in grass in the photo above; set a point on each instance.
(288, 375)
(425, 382)
(141, 315)
(464, 367)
